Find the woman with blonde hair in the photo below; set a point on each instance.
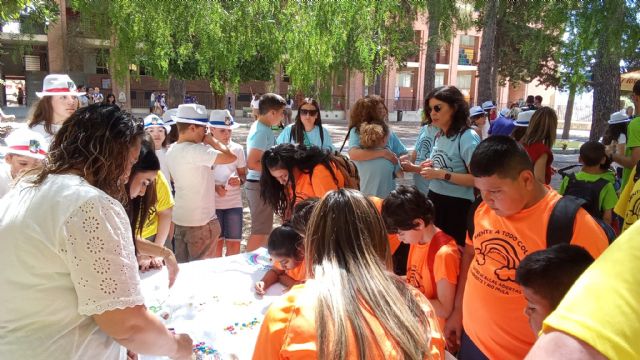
(538, 141)
(351, 306)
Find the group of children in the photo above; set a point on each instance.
(511, 258)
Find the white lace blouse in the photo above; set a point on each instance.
(67, 254)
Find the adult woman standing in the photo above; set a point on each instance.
(111, 99)
(73, 287)
(307, 128)
(352, 306)
(538, 140)
(451, 184)
(422, 151)
(58, 100)
(291, 173)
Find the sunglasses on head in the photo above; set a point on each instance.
(436, 108)
(308, 112)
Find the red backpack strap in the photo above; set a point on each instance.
(437, 242)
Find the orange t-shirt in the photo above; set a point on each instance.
(289, 330)
(446, 265)
(394, 240)
(318, 183)
(298, 273)
(493, 304)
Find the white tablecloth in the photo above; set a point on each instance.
(212, 299)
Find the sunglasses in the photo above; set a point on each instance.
(436, 108)
(308, 112)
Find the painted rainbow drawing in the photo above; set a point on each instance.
(259, 260)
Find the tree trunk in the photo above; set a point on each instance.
(568, 114)
(606, 72)
(494, 68)
(176, 93)
(485, 81)
(433, 46)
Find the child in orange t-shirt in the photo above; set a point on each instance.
(508, 225)
(434, 259)
(286, 249)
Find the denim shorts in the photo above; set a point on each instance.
(230, 223)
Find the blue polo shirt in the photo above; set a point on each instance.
(311, 137)
(261, 138)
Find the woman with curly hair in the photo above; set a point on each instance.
(74, 287)
(291, 173)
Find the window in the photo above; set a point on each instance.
(32, 63)
(439, 79)
(102, 62)
(467, 41)
(464, 81)
(403, 79)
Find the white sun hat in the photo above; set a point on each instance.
(58, 84)
(488, 105)
(168, 115)
(222, 119)
(618, 117)
(523, 118)
(475, 111)
(153, 120)
(26, 142)
(192, 114)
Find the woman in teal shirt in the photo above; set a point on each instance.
(307, 128)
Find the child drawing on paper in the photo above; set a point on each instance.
(286, 249)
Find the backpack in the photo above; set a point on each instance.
(348, 170)
(561, 221)
(589, 191)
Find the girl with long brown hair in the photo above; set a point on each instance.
(538, 141)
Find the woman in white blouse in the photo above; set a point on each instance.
(70, 287)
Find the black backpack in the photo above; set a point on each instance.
(561, 221)
(589, 191)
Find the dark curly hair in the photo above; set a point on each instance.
(95, 143)
(454, 98)
(289, 157)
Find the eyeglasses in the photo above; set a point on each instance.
(436, 108)
(308, 112)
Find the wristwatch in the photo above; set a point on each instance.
(447, 176)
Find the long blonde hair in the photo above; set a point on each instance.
(542, 127)
(348, 255)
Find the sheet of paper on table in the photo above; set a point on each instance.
(214, 302)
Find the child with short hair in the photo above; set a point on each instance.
(190, 161)
(26, 149)
(377, 176)
(287, 251)
(261, 138)
(546, 276)
(434, 259)
(509, 223)
(228, 179)
(595, 174)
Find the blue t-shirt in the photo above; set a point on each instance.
(453, 154)
(261, 138)
(394, 144)
(424, 143)
(311, 137)
(502, 126)
(377, 177)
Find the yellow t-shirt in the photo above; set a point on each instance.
(164, 201)
(601, 308)
(628, 205)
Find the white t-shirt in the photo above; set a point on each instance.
(222, 173)
(67, 254)
(5, 179)
(42, 131)
(164, 167)
(255, 104)
(190, 167)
